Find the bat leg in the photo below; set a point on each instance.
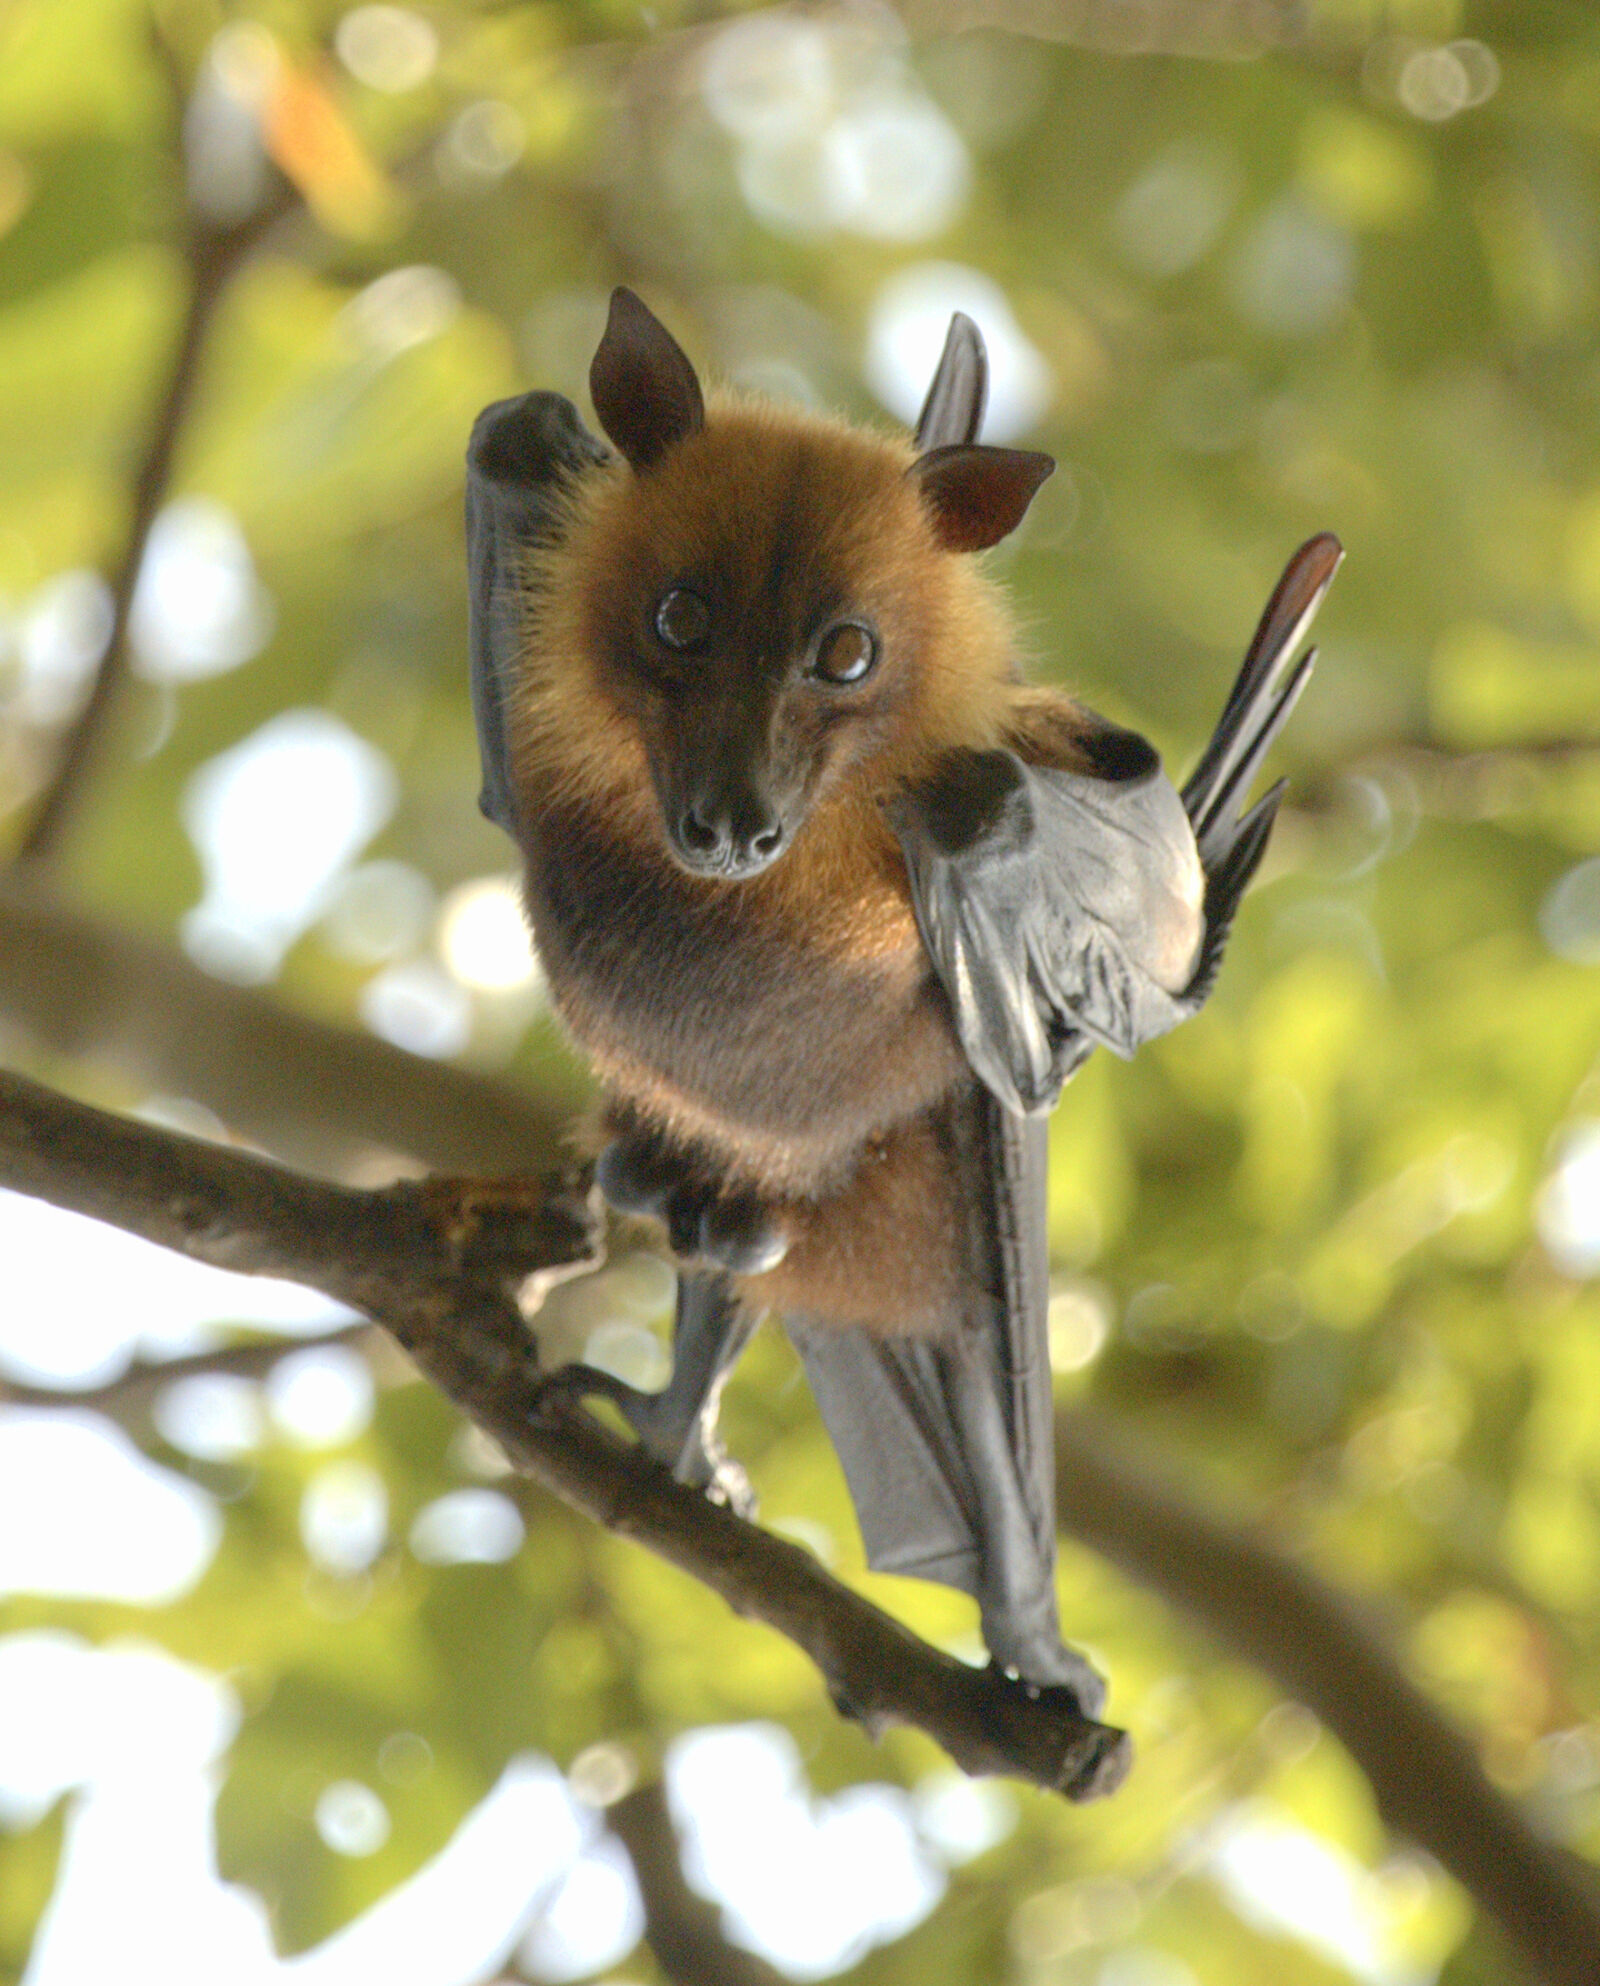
(1016, 1587)
(678, 1425)
(640, 1174)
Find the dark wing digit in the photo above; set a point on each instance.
(522, 454)
(946, 1446)
(1061, 909)
(1231, 844)
(1254, 714)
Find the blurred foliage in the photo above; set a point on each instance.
(1347, 283)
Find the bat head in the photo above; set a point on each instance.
(772, 601)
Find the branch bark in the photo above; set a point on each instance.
(414, 1259)
(1315, 1645)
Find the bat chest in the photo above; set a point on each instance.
(780, 1026)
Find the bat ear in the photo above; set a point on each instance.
(643, 386)
(976, 496)
(953, 410)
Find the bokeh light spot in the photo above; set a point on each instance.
(321, 1397)
(344, 1516)
(467, 1527)
(483, 936)
(275, 820)
(418, 1006)
(214, 1416)
(351, 1819)
(387, 48)
(198, 609)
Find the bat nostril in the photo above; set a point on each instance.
(697, 835)
(766, 841)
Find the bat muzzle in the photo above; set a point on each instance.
(734, 837)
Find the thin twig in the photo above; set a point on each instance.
(408, 1258)
(213, 254)
(128, 1398)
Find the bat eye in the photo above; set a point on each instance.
(683, 620)
(846, 653)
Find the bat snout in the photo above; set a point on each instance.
(730, 835)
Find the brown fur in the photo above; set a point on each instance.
(880, 1252)
(786, 1029)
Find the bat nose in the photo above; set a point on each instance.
(730, 835)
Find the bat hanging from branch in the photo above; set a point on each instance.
(836, 903)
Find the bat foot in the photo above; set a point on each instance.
(572, 1385)
(692, 1455)
(1023, 1635)
(740, 1235)
(1050, 1666)
(638, 1174)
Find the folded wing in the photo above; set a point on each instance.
(1063, 909)
(520, 460)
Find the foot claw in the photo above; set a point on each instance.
(728, 1484)
(698, 1459)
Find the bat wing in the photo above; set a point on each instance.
(1064, 909)
(947, 1446)
(1059, 910)
(522, 456)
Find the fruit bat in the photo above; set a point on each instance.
(835, 903)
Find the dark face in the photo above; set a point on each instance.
(743, 714)
(757, 652)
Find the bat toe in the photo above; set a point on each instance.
(637, 1176)
(741, 1236)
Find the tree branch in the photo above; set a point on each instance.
(681, 1927)
(419, 1260)
(213, 254)
(323, 1096)
(407, 1257)
(1313, 1643)
(89, 989)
